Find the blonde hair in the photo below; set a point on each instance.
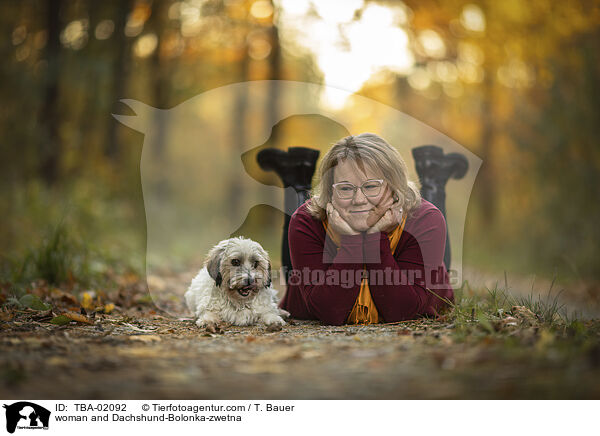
(374, 151)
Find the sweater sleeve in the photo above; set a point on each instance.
(403, 293)
(320, 282)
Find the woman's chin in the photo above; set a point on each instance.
(357, 221)
(359, 225)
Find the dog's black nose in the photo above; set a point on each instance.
(249, 280)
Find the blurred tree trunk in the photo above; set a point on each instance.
(120, 73)
(238, 136)
(160, 77)
(49, 118)
(91, 55)
(272, 115)
(274, 76)
(487, 179)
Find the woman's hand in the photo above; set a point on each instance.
(386, 215)
(390, 219)
(337, 223)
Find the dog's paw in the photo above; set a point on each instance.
(274, 327)
(216, 327)
(283, 313)
(210, 321)
(274, 323)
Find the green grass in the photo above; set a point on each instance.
(74, 235)
(61, 260)
(55, 259)
(483, 312)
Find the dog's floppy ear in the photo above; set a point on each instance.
(266, 257)
(213, 262)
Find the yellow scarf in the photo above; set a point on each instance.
(364, 310)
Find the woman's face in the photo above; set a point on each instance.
(356, 209)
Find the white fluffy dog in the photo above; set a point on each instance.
(234, 287)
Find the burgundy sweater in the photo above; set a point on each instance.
(325, 281)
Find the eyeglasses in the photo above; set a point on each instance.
(346, 190)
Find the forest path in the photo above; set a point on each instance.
(140, 352)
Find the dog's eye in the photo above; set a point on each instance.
(256, 264)
(235, 262)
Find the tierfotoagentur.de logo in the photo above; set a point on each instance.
(26, 415)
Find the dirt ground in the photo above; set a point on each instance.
(141, 352)
(153, 357)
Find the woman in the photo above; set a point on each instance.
(366, 248)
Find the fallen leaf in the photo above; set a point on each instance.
(60, 320)
(525, 315)
(78, 317)
(34, 302)
(87, 301)
(65, 297)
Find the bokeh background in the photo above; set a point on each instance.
(514, 82)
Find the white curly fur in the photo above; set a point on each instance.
(212, 304)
